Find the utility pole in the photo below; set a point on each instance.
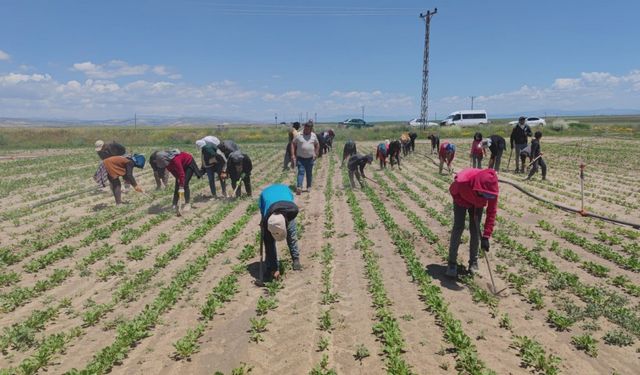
(276, 118)
(472, 98)
(363, 112)
(135, 120)
(424, 104)
(315, 117)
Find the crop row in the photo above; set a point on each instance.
(467, 360)
(139, 327)
(386, 328)
(631, 263)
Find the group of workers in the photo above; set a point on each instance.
(217, 158)
(472, 190)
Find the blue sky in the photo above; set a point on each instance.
(249, 59)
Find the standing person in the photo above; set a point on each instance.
(227, 147)
(119, 166)
(412, 142)
(322, 140)
(278, 222)
(535, 152)
(472, 190)
(404, 141)
(288, 159)
(381, 153)
(477, 151)
(182, 167)
(496, 144)
(446, 154)
(159, 174)
(519, 138)
(349, 150)
(239, 167)
(356, 166)
(213, 163)
(306, 148)
(394, 152)
(435, 143)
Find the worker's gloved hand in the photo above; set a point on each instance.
(138, 189)
(484, 244)
(181, 192)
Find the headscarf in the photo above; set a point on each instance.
(163, 158)
(212, 139)
(200, 143)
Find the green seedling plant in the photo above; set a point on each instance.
(618, 338)
(533, 355)
(323, 367)
(361, 353)
(586, 343)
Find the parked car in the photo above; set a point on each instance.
(531, 121)
(356, 123)
(420, 122)
(466, 118)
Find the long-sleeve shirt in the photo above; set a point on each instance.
(177, 166)
(111, 149)
(213, 156)
(359, 162)
(442, 153)
(466, 191)
(497, 144)
(238, 164)
(277, 198)
(519, 135)
(535, 148)
(476, 148)
(119, 166)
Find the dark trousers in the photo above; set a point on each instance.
(116, 187)
(459, 216)
(288, 161)
(247, 184)
(211, 175)
(161, 178)
(188, 173)
(271, 254)
(395, 157)
(534, 168)
(494, 161)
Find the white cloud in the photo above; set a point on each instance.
(112, 69)
(160, 70)
(4, 56)
(16, 78)
(590, 90)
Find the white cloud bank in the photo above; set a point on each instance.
(107, 91)
(591, 90)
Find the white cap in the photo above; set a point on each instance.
(99, 145)
(200, 143)
(277, 226)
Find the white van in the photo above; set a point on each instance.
(466, 118)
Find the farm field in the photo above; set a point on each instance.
(89, 288)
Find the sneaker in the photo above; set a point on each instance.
(452, 270)
(473, 268)
(298, 191)
(296, 264)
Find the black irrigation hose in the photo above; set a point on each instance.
(565, 208)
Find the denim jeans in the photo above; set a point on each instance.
(305, 166)
(459, 215)
(211, 174)
(271, 254)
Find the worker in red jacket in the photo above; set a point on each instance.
(182, 167)
(446, 153)
(472, 190)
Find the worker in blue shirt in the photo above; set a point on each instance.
(278, 212)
